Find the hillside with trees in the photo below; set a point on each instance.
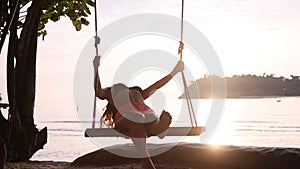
(239, 86)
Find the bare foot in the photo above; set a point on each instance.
(147, 163)
(165, 120)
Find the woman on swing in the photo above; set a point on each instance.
(127, 112)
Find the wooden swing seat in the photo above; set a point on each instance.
(172, 131)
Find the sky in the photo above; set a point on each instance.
(249, 37)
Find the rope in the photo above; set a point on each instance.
(97, 42)
(182, 8)
(186, 90)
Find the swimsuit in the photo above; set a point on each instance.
(132, 107)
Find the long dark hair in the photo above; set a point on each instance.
(108, 117)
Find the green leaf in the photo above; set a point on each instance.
(88, 11)
(84, 21)
(77, 25)
(41, 26)
(59, 8)
(91, 3)
(47, 14)
(24, 2)
(72, 15)
(77, 7)
(55, 17)
(43, 33)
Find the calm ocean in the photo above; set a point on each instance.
(271, 122)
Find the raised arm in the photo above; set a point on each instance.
(100, 93)
(152, 88)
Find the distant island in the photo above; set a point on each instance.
(245, 86)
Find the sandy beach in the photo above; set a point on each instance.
(180, 156)
(198, 156)
(66, 165)
(37, 165)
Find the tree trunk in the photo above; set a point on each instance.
(2, 153)
(23, 136)
(26, 64)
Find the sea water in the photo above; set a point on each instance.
(270, 122)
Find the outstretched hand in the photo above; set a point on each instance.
(178, 68)
(96, 62)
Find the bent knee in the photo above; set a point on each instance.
(150, 117)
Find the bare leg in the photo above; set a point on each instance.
(140, 144)
(138, 134)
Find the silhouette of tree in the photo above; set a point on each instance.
(25, 20)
